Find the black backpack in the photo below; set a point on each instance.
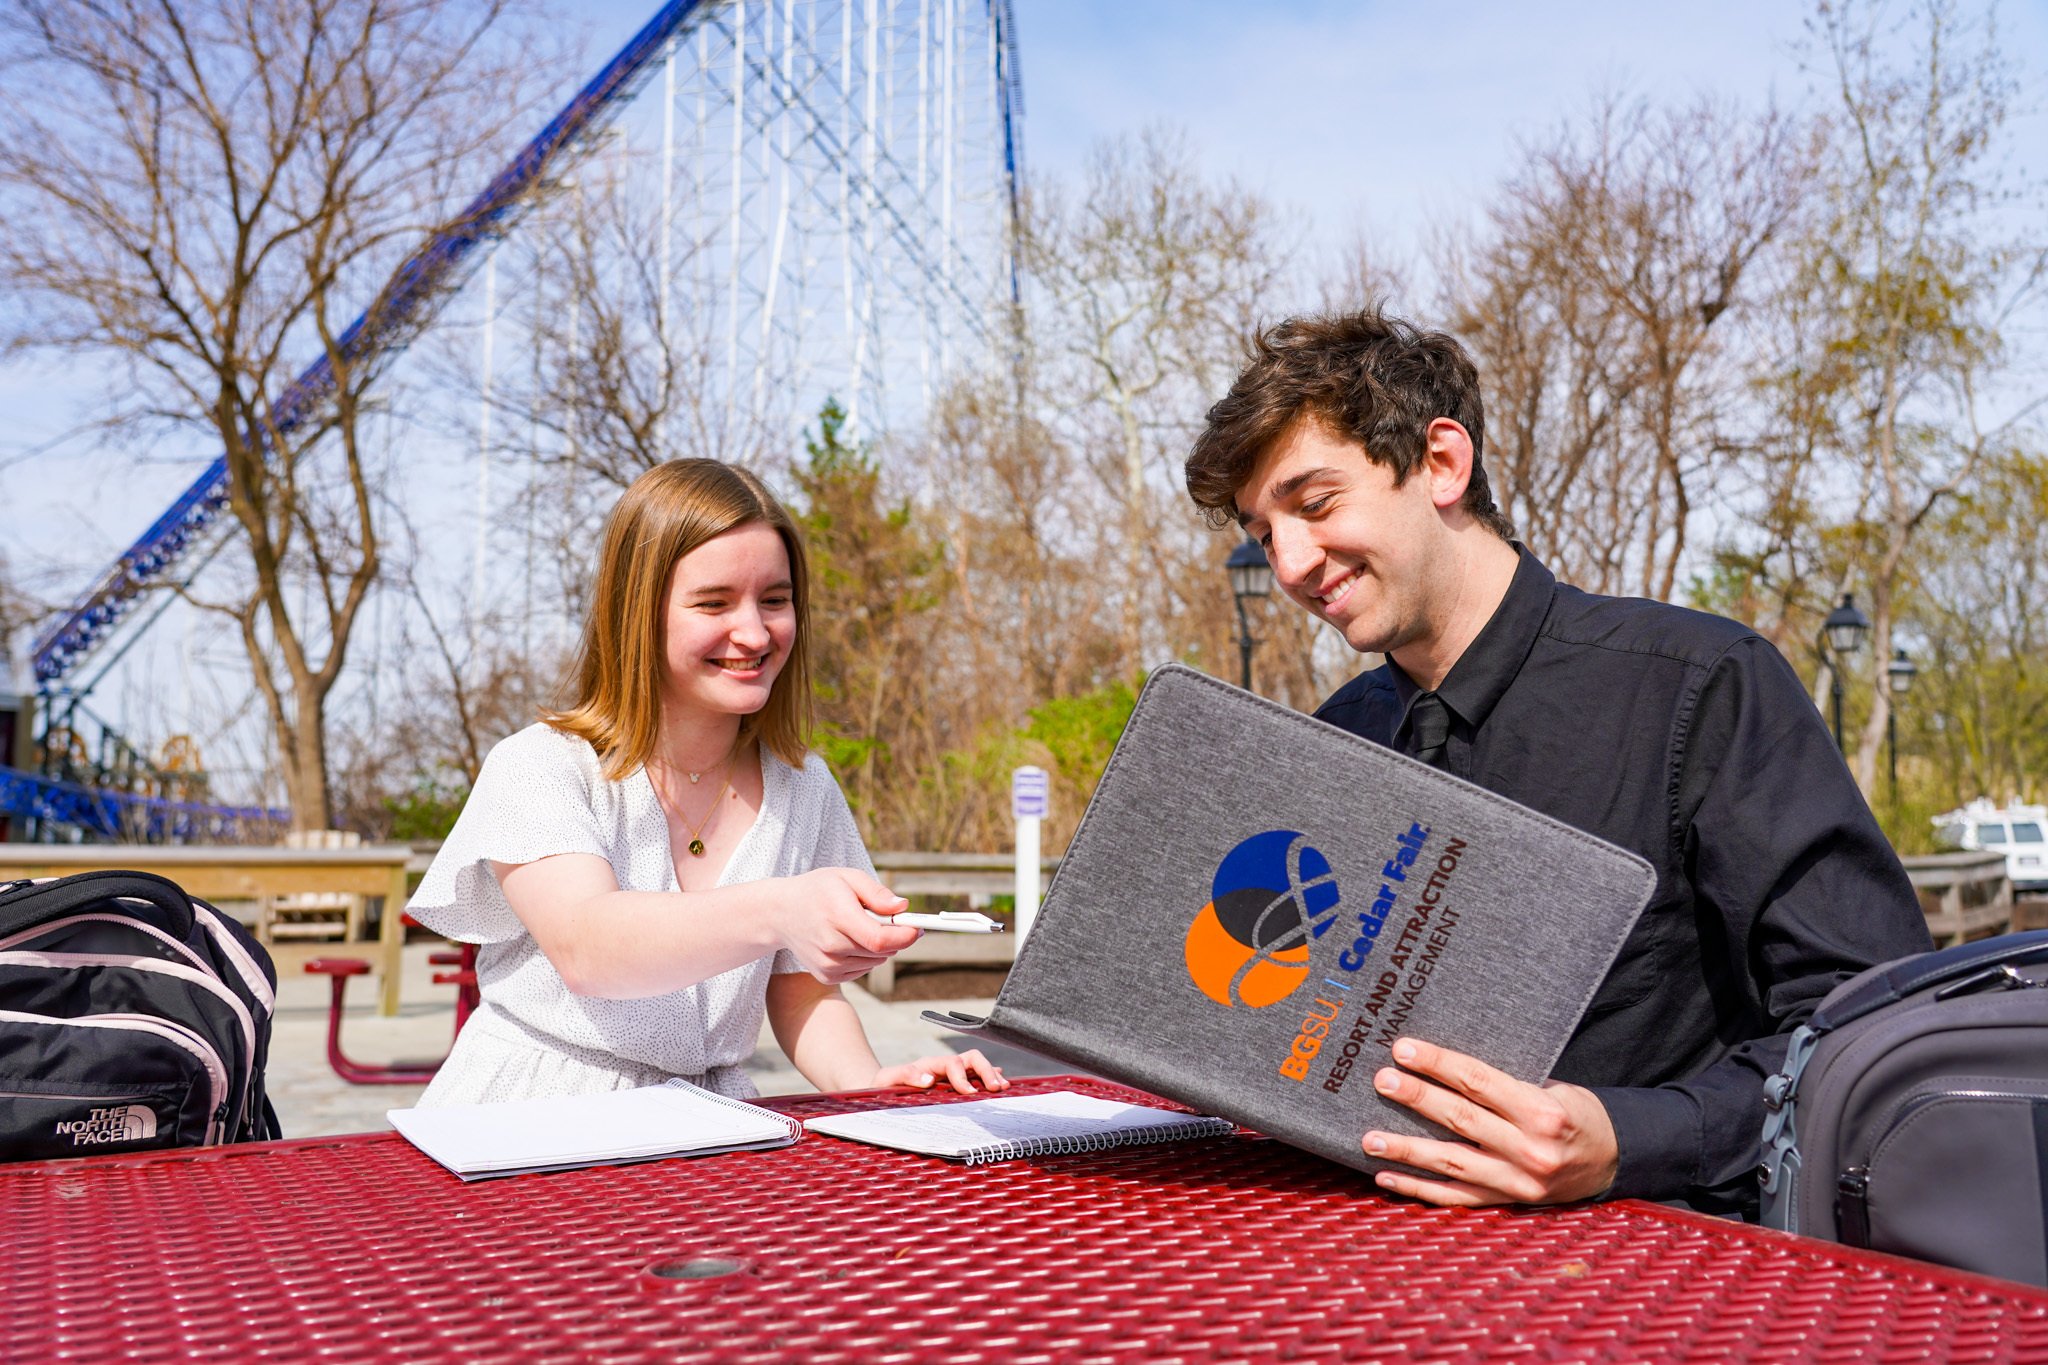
(1912, 1113)
(132, 1017)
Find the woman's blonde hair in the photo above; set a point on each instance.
(621, 665)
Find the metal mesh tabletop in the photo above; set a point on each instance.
(360, 1249)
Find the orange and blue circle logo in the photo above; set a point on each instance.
(1273, 894)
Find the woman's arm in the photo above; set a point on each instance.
(626, 945)
(821, 1034)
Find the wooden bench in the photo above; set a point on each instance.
(977, 876)
(1965, 895)
(227, 872)
(313, 914)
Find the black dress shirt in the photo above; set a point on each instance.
(1689, 740)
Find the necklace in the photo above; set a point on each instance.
(700, 772)
(696, 844)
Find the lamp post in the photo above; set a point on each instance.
(1843, 630)
(1251, 579)
(1899, 673)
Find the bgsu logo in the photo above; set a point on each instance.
(1273, 893)
(117, 1123)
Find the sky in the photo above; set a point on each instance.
(1378, 116)
(1368, 116)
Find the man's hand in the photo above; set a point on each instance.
(1524, 1144)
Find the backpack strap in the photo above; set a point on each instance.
(1949, 966)
(24, 907)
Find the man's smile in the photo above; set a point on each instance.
(1332, 595)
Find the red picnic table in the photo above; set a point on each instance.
(360, 1249)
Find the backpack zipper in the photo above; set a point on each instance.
(55, 1095)
(1852, 1207)
(1895, 1118)
(205, 915)
(125, 921)
(204, 980)
(252, 975)
(1852, 1186)
(216, 1070)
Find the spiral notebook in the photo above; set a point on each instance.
(1052, 1124)
(564, 1132)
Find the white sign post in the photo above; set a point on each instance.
(1030, 795)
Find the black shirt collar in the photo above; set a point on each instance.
(1482, 674)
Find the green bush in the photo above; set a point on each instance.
(426, 812)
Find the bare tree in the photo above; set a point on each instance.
(1910, 286)
(199, 196)
(1367, 275)
(620, 364)
(467, 689)
(1144, 284)
(18, 615)
(1030, 613)
(1600, 305)
(1974, 607)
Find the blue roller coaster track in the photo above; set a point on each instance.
(401, 311)
(403, 308)
(133, 818)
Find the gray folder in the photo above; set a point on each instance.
(1256, 904)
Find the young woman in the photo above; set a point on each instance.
(657, 864)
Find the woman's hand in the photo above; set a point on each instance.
(826, 919)
(960, 1070)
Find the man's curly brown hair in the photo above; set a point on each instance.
(1374, 379)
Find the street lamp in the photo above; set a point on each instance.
(1251, 579)
(1899, 673)
(1844, 631)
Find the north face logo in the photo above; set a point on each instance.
(117, 1123)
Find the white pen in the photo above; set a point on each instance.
(948, 921)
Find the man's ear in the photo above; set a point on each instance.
(1447, 462)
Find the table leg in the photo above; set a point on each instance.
(391, 934)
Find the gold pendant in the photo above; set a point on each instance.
(697, 848)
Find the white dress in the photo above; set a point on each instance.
(540, 793)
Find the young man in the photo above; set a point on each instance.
(1350, 449)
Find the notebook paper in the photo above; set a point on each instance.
(1019, 1125)
(565, 1132)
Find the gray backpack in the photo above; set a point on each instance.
(1912, 1113)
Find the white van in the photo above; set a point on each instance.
(2019, 832)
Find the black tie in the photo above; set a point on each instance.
(1429, 726)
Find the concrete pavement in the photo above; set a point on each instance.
(312, 1101)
